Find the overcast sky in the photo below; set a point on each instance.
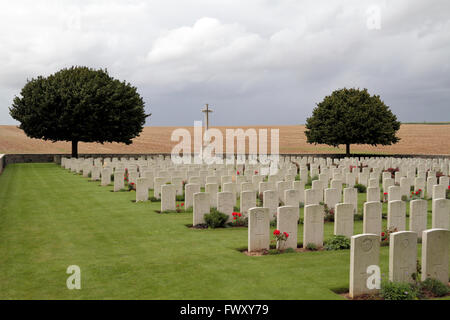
(254, 61)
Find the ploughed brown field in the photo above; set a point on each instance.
(415, 139)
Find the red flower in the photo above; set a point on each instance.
(237, 173)
(178, 205)
(421, 189)
(182, 204)
(234, 213)
(276, 232)
(286, 234)
(239, 214)
(382, 234)
(417, 192)
(234, 218)
(256, 172)
(448, 188)
(385, 193)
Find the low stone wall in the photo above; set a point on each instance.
(24, 158)
(30, 158)
(2, 162)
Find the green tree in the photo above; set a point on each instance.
(79, 104)
(352, 116)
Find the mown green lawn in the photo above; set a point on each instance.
(51, 218)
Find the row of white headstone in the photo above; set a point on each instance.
(344, 221)
(365, 248)
(288, 191)
(324, 169)
(365, 254)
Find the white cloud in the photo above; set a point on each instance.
(260, 59)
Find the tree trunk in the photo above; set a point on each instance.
(74, 149)
(347, 149)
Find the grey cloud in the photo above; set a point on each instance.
(255, 62)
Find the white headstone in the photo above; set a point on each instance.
(343, 219)
(402, 256)
(394, 193)
(396, 217)
(119, 182)
(258, 229)
(372, 219)
(141, 189)
(248, 200)
(438, 192)
(270, 201)
(231, 187)
(332, 197)
(418, 216)
(440, 214)
(190, 189)
(364, 253)
(212, 189)
(351, 196)
(225, 203)
(313, 225)
(292, 198)
(287, 221)
(373, 194)
(435, 248)
(168, 197)
(313, 196)
(201, 206)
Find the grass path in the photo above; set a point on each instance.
(51, 218)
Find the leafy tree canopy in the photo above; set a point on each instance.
(79, 104)
(352, 116)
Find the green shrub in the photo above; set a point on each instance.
(311, 179)
(179, 198)
(154, 199)
(301, 205)
(447, 193)
(398, 291)
(215, 219)
(337, 243)
(417, 275)
(90, 175)
(289, 250)
(434, 286)
(361, 188)
(273, 223)
(358, 217)
(311, 246)
(274, 251)
(112, 176)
